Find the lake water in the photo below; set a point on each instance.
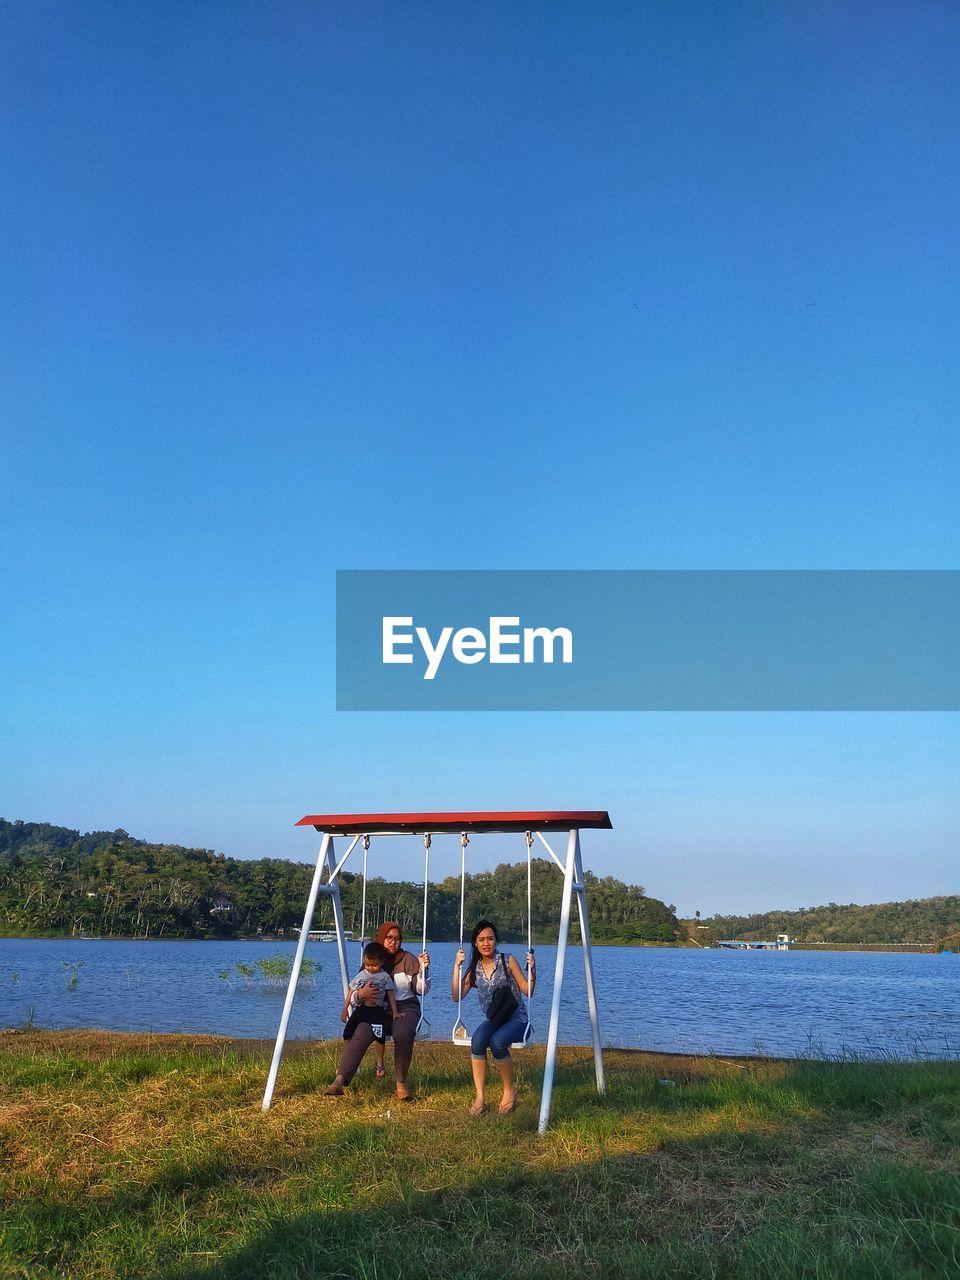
(784, 1004)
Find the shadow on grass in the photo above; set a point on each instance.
(730, 1177)
(742, 1201)
(623, 1217)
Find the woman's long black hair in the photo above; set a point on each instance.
(475, 958)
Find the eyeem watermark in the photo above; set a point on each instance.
(748, 640)
(503, 642)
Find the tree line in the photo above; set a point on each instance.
(929, 921)
(53, 880)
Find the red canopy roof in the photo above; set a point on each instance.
(346, 824)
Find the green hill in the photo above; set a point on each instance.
(53, 880)
(926, 921)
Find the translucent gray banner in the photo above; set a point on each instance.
(757, 640)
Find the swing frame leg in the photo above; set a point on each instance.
(572, 882)
(324, 860)
(588, 971)
(551, 1059)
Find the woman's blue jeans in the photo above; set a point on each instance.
(496, 1039)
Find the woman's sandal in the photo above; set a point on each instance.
(403, 1092)
(505, 1108)
(333, 1091)
(477, 1109)
(380, 1072)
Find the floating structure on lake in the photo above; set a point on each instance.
(323, 935)
(742, 944)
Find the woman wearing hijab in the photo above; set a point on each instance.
(410, 975)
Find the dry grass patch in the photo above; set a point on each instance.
(149, 1155)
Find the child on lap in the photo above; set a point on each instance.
(373, 1011)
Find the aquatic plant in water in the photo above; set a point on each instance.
(72, 974)
(274, 970)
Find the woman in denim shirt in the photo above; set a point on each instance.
(489, 971)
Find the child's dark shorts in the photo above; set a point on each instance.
(380, 1020)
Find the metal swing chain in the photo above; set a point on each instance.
(460, 1031)
(529, 840)
(426, 882)
(363, 901)
(423, 1026)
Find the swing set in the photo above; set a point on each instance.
(426, 825)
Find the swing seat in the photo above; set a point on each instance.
(423, 1030)
(461, 1036)
(524, 1041)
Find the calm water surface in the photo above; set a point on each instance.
(731, 1002)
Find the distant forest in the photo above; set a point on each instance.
(54, 880)
(931, 921)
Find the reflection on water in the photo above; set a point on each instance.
(731, 1002)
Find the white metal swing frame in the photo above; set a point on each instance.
(425, 825)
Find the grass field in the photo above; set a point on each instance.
(148, 1156)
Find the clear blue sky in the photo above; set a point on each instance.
(292, 288)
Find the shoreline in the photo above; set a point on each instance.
(98, 1042)
(98, 1045)
(883, 948)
